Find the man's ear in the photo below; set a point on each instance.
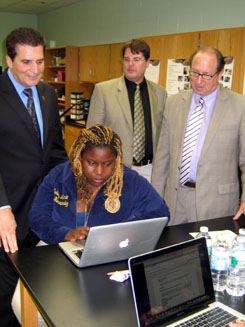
(9, 61)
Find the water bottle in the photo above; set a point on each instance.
(236, 275)
(220, 263)
(241, 233)
(204, 233)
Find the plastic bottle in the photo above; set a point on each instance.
(236, 275)
(220, 263)
(204, 233)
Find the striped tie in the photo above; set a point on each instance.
(191, 135)
(139, 127)
(32, 111)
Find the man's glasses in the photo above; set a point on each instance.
(204, 76)
(134, 60)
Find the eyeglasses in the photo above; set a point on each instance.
(204, 76)
(135, 60)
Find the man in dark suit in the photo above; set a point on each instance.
(30, 145)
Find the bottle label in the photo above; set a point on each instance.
(238, 259)
(221, 261)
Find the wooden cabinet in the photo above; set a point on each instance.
(230, 42)
(173, 46)
(94, 63)
(61, 68)
(71, 133)
(116, 66)
(100, 62)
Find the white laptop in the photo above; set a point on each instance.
(115, 242)
(173, 285)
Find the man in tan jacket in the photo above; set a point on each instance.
(112, 103)
(202, 184)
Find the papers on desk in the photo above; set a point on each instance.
(229, 235)
(119, 276)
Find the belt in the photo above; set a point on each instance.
(141, 163)
(138, 164)
(190, 184)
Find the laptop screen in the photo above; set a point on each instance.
(171, 282)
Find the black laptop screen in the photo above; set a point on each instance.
(171, 282)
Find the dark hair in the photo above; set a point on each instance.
(24, 36)
(137, 46)
(211, 50)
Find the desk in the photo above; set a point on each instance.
(68, 296)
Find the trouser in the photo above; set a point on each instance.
(8, 282)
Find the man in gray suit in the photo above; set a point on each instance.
(199, 180)
(112, 103)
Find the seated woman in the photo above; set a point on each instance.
(93, 188)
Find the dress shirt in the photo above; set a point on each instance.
(131, 87)
(208, 110)
(19, 89)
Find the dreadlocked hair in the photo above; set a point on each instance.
(97, 135)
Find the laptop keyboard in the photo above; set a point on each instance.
(78, 253)
(215, 317)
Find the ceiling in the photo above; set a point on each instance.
(33, 7)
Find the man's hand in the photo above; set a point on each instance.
(79, 233)
(7, 230)
(240, 211)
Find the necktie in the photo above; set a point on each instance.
(32, 111)
(139, 127)
(191, 135)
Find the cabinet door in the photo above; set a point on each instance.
(176, 46)
(94, 63)
(71, 133)
(230, 42)
(156, 46)
(116, 66)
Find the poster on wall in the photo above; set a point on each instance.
(226, 79)
(178, 78)
(153, 70)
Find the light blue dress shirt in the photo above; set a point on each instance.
(208, 110)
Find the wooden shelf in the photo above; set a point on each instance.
(54, 82)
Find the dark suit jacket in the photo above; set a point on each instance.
(23, 162)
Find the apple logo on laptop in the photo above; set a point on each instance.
(124, 244)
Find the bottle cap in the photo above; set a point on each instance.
(242, 231)
(204, 229)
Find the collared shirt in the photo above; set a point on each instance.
(131, 87)
(19, 89)
(208, 110)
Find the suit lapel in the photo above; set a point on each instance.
(43, 105)
(122, 96)
(153, 105)
(182, 116)
(16, 104)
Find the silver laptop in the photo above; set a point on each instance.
(174, 285)
(115, 242)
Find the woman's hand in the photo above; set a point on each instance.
(238, 323)
(80, 233)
